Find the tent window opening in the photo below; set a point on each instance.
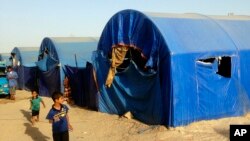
(120, 60)
(14, 60)
(223, 65)
(46, 51)
(44, 54)
(136, 56)
(208, 60)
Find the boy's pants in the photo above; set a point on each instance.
(62, 136)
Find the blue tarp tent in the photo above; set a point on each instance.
(173, 69)
(23, 60)
(60, 56)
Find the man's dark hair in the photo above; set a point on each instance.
(9, 67)
(56, 95)
(36, 92)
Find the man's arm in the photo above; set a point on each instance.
(43, 103)
(30, 104)
(69, 125)
(15, 76)
(12, 76)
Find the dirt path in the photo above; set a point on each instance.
(95, 126)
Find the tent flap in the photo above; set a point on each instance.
(49, 81)
(132, 90)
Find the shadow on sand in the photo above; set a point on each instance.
(32, 131)
(27, 115)
(223, 132)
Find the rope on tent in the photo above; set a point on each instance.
(76, 61)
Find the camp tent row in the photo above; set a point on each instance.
(60, 57)
(170, 69)
(45, 68)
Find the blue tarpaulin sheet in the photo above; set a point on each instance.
(82, 80)
(27, 77)
(27, 56)
(73, 52)
(49, 81)
(201, 64)
(130, 90)
(76, 81)
(91, 87)
(26, 68)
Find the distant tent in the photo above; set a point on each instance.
(5, 57)
(23, 60)
(174, 69)
(64, 56)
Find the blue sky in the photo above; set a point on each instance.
(24, 23)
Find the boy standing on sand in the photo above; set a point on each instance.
(58, 116)
(35, 106)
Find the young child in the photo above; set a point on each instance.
(35, 106)
(58, 116)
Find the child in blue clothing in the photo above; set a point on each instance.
(58, 116)
(35, 106)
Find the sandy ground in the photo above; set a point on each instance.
(95, 126)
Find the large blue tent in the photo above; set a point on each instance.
(62, 56)
(23, 60)
(173, 69)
